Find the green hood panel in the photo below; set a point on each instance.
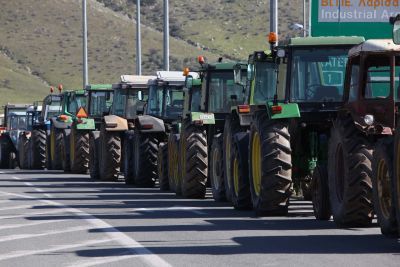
(289, 110)
(206, 118)
(86, 124)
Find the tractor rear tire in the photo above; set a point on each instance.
(38, 149)
(128, 158)
(94, 151)
(110, 160)
(382, 187)
(48, 151)
(145, 159)
(162, 164)
(349, 175)
(194, 160)
(65, 148)
(174, 172)
(23, 151)
(270, 165)
(4, 153)
(320, 193)
(240, 195)
(79, 151)
(231, 127)
(217, 170)
(396, 176)
(56, 143)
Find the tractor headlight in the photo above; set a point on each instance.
(369, 119)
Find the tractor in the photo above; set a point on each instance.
(14, 123)
(60, 129)
(107, 145)
(26, 140)
(85, 120)
(146, 149)
(363, 163)
(202, 126)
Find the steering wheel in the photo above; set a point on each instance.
(311, 90)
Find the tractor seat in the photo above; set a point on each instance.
(329, 93)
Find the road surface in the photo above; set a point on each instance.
(56, 219)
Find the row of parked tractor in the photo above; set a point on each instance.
(316, 117)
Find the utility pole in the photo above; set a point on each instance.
(85, 48)
(274, 17)
(166, 35)
(304, 18)
(138, 41)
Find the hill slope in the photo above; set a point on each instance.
(44, 38)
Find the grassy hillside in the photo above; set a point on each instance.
(43, 38)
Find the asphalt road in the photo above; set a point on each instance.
(54, 219)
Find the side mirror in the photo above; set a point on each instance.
(396, 32)
(237, 72)
(189, 82)
(396, 28)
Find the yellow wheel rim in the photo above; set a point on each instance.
(256, 163)
(384, 186)
(228, 157)
(175, 163)
(236, 175)
(182, 160)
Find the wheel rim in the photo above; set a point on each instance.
(183, 161)
(383, 188)
(216, 173)
(339, 177)
(236, 175)
(175, 162)
(256, 163)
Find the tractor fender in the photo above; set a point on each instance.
(150, 124)
(241, 141)
(60, 124)
(115, 123)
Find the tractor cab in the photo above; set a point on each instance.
(372, 88)
(99, 101)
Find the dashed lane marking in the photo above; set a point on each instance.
(13, 226)
(31, 214)
(18, 254)
(54, 232)
(131, 244)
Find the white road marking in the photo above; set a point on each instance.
(175, 208)
(31, 214)
(17, 178)
(101, 260)
(13, 226)
(16, 207)
(18, 254)
(5, 201)
(131, 244)
(54, 232)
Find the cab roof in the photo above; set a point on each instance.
(329, 40)
(137, 79)
(99, 87)
(173, 77)
(375, 45)
(220, 65)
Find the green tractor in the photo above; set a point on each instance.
(60, 129)
(107, 145)
(85, 120)
(14, 124)
(146, 153)
(201, 129)
(364, 149)
(257, 148)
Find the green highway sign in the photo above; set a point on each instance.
(368, 18)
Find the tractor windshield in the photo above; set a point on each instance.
(128, 102)
(100, 102)
(377, 76)
(264, 83)
(17, 122)
(165, 101)
(195, 98)
(75, 102)
(317, 74)
(223, 92)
